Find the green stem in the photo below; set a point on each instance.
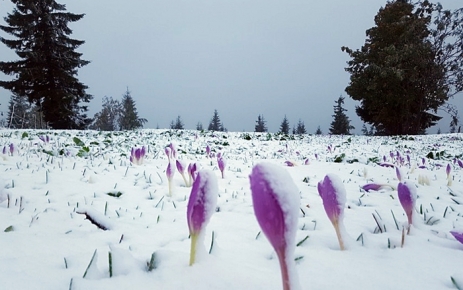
(194, 240)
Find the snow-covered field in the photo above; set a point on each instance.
(45, 243)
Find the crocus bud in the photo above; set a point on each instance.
(448, 169)
(208, 150)
(407, 198)
(289, 163)
(173, 149)
(168, 152)
(306, 161)
(170, 171)
(4, 150)
(201, 206)
(276, 203)
(192, 171)
(398, 173)
(333, 194)
(12, 149)
(458, 236)
(221, 163)
(181, 169)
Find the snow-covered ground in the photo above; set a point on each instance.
(47, 188)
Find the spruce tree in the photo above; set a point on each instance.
(319, 131)
(215, 124)
(47, 70)
(129, 119)
(178, 124)
(300, 129)
(284, 126)
(199, 126)
(341, 123)
(260, 124)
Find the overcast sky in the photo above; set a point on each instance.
(241, 57)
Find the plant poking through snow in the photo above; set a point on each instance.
(333, 194)
(170, 171)
(137, 155)
(221, 163)
(448, 169)
(275, 200)
(407, 198)
(181, 169)
(201, 206)
(458, 236)
(192, 172)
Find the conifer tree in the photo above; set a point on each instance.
(178, 124)
(300, 129)
(199, 126)
(129, 119)
(284, 126)
(107, 118)
(341, 123)
(260, 124)
(215, 124)
(319, 131)
(47, 70)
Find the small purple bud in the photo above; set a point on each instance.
(201, 206)
(448, 169)
(137, 155)
(408, 159)
(460, 163)
(173, 149)
(333, 194)
(306, 161)
(47, 139)
(143, 152)
(398, 173)
(4, 150)
(193, 171)
(221, 162)
(208, 150)
(316, 156)
(423, 161)
(12, 149)
(180, 166)
(170, 171)
(407, 198)
(168, 152)
(458, 236)
(289, 163)
(372, 186)
(391, 155)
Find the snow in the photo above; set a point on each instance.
(51, 245)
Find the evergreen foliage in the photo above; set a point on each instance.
(215, 124)
(47, 69)
(341, 123)
(129, 119)
(260, 124)
(300, 129)
(284, 126)
(199, 126)
(107, 119)
(178, 124)
(319, 131)
(402, 74)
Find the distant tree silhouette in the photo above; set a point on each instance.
(107, 119)
(129, 119)
(319, 131)
(284, 126)
(178, 124)
(199, 126)
(300, 129)
(260, 124)
(341, 123)
(215, 124)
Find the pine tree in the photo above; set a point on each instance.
(178, 124)
(107, 118)
(341, 123)
(319, 131)
(260, 124)
(284, 126)
(300, 129)
(406, 70)
(215, 124)
(47, 69)
(129, 119)
(199, 126)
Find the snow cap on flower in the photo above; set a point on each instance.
(333, 194)
(407, 198)
(276, 202)
(202, 201)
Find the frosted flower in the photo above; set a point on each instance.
(407, 197)
(275, 200)
(458, 236)
(221, 163)
(170, 171)
(181, 169)
(333, 194)
(201, 206)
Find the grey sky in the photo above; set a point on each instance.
(241, 57)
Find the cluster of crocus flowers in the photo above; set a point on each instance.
(333, 194)
(11, 149)
(201, 205)
(137, 155)
(407, 197)
(45, 138)
(275, 200)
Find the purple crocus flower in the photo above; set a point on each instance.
(170, 171)
(407, 197)
(333, 194)
(137, 155)
(458, 235)
(192, 172)
(208, 151)
(372, 186)
(398, 173)
(173, 150)
(460, 163)
(221, 163)
(181, 169)
(276, 204)
(306, 161)
(289, 163)
(448, 169)
(201, 206)
(4, 150)
(12, 149)
(168, 152)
